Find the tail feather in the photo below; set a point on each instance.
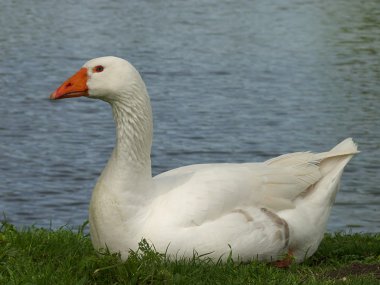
(346, 146)
(336, 159)
(331, 167)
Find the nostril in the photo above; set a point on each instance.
(68, 85)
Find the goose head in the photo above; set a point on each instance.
(117, 82)
(107, 78)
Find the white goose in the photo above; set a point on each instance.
(261, 211)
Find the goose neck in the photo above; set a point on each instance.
(134, 133)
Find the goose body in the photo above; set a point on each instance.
(249, 210)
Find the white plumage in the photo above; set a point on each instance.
(253, 210)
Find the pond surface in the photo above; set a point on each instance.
(236, 81)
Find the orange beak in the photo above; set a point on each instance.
(75, 86)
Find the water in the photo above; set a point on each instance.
(229, 82)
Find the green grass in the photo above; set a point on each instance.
(64, 256)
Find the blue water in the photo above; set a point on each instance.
(236, 81)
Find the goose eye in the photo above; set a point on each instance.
(98, 68)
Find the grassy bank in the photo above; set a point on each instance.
(40, 256)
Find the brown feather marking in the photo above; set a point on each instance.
(247, 216)
(280, 223)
